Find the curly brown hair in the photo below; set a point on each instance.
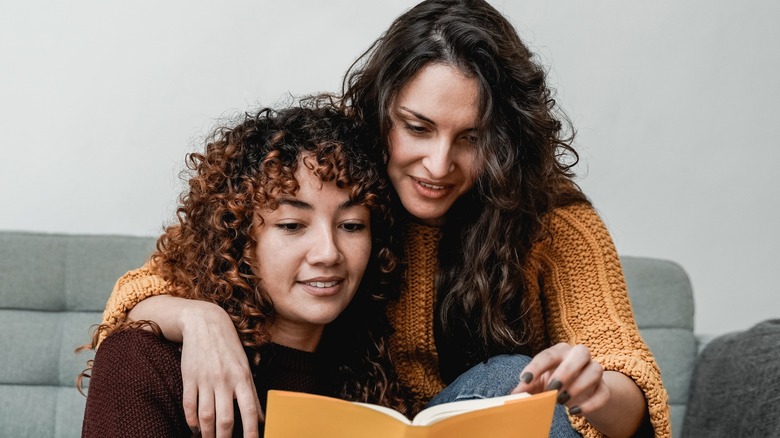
(209, 253)
(525, 149)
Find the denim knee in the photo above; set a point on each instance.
(498, 376)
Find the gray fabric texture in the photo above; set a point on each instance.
(53, 288)
(736, 386)
(662, 300)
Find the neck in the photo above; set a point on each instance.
(302, 337)
(436, 223)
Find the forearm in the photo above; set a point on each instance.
(624, 410)
(175, 316)
(164, 311)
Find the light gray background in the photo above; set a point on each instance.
(675, 103)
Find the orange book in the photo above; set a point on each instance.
(295, 414)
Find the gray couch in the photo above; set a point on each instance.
(53, 288)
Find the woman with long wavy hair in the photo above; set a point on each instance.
(510, 280)
(284, 230)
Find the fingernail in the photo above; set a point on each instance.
(575, 410)
(563, 397)
(526, 377)
(554, 384)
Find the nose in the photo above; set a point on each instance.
(324, 249)
(438, 161)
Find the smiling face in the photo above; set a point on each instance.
(312, 251)
(432, 141)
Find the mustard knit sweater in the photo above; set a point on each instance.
(584, 301)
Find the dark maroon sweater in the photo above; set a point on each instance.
(136, 385)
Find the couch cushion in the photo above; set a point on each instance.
(53, 288)
(65, 272)
(735, 387)
(662, 299)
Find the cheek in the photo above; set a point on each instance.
(365, 252)
(358, 254)
(273, 257)
(471, 165)
(398, 148)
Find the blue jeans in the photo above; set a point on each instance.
(499, 376)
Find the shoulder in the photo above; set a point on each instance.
(133, 338)
(136, 347)
(573, 228)
(576, 218)
(576, 239)
(135, 387)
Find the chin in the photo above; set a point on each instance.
(427, 215)
(322, 318)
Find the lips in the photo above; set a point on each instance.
(431, 189)
(321, 284)
(323, 287)
(430, 186)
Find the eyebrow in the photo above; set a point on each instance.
(426, 119)
(418, 115)
(295, 203)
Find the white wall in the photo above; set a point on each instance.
(675, 104)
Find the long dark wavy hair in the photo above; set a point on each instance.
(524, 148)
(209, 253)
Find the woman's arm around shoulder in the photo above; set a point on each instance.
(131, 288)
(214, 366)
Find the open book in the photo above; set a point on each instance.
(295, 414)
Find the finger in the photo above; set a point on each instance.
(190, 404)
(569, 369)
(535, 375)
(531, 383)
(249, 407)
(206, 412)
(585, 383)
(597, 400)
(224, 410)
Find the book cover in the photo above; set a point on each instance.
(295, 414)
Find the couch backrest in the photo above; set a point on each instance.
(662, 299)
(52, 290)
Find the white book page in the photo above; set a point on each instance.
(446, 410)
(385, 410)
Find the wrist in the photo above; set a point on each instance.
(195, 315)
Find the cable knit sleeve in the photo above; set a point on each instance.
(587, 303)
(129, 290)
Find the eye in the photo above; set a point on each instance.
(353, 227)
(415, 129)
(290, 227)
(470, 139)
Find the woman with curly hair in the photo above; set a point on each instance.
(275, 232)
(510, 280)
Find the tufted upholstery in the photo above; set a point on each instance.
(52, 289)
